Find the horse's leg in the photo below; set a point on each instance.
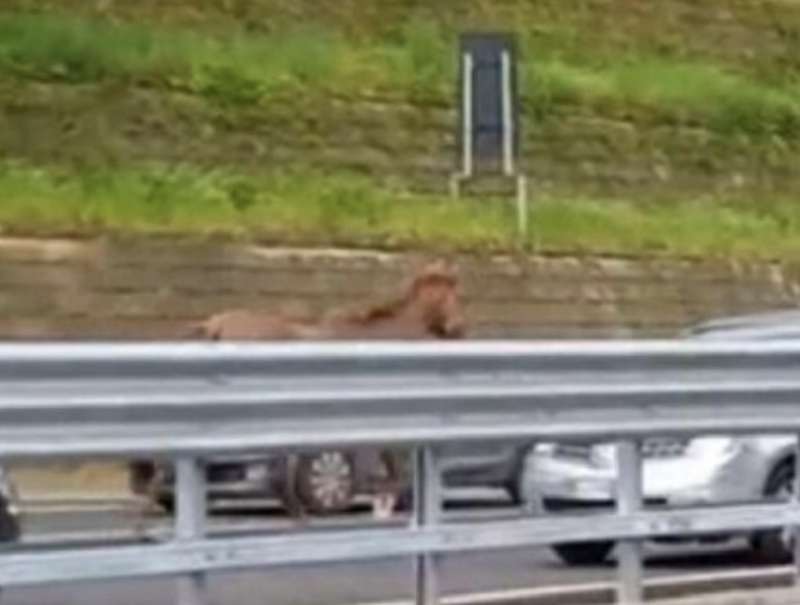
(379, 474)
(388, 497)
(403, 473)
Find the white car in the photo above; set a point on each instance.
(679, 472)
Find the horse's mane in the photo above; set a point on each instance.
(434, 274)
(386, 309)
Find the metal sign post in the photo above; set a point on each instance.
(489, 133)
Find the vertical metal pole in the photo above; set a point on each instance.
(427, 513)
(467, 125)
(629, 501)
(522, 207)
(190, 523)
(508, 116)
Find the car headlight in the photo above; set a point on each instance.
(713, 446)
(664, 447)
(575, 451)
(599, 455)
(656, 448)
(604, 455)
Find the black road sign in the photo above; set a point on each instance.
(491, 99)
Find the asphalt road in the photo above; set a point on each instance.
(339, 584)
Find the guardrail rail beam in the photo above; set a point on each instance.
(192, 402)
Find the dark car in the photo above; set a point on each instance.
(9, 510)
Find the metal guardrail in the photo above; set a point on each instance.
(190, 401)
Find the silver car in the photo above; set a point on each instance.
(676, 472)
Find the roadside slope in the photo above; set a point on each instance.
(304, 123)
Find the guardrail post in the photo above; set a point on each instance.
(190, 523)
(629, 501)
(427, 512)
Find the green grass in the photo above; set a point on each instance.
(418, 63)
(702, 228)
(683, 92)
(236, 67)
(308, 207)
(232, 66)
(87, 50)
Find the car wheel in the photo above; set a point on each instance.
(580, 553)
(167, 503)
(141, 474)
(584, 553)
(515, 485)
(405, 500)
(776, 546)
(9, 524)
(512, 489)
(148, 479)
(325, 481)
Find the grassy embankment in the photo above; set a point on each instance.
(231, 69)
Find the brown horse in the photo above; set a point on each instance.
(430, 307)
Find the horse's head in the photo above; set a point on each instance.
(436, 292)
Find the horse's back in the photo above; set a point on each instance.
(245, 325)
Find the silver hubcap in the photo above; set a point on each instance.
(331, 479)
